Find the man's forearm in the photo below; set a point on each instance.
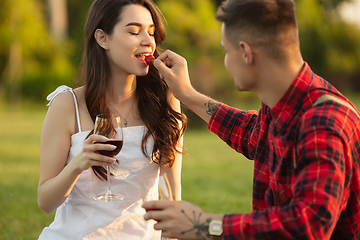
(200, 104)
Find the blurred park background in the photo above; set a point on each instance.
(41, 44)
(41, 48)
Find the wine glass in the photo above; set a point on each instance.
(164, 187)
(109, 126)
(164, 190)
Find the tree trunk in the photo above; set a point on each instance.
(58, 19)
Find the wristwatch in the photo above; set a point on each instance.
(216, 229)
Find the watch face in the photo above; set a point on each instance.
(215, 227)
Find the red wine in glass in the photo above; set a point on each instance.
(116, 142)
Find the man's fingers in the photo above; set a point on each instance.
(154, 209)
(165, 55)
(160, 226)
(159, 205)
(162, 67)
(154, 214)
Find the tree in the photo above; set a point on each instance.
(329, 44)
(58, 19)
(32, 62)
(332, 4)
(329, 3)
(194, 33)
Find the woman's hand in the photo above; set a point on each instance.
(89, 155)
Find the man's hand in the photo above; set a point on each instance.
(179, 219)
(173, 69)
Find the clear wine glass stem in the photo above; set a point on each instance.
(108, 192)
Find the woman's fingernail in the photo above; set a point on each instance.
(112, 146)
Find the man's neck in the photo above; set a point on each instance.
(275, 79)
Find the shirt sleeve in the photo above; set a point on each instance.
(236, 127)
(320, 185)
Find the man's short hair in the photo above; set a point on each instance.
(268, 24)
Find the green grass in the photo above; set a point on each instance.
(214, 177)
(21, 217)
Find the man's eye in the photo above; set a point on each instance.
(134, 33)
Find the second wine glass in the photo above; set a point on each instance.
(109, 126)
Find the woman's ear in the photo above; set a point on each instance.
(247, 52)
(102, 39)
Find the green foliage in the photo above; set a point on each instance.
(328, 43)
(32, 63)
(194, 33)
(192, 29)
(332, 3)
(77, 12)
(29, 55)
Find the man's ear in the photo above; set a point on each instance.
(248, 56)
(101, 39)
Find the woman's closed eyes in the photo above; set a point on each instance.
(136, 28)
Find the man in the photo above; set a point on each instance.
(304, 140)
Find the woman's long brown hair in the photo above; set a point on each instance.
(164, 124)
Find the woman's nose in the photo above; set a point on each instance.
(148, 40)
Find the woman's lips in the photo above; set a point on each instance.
(142, 57)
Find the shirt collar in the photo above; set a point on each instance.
(288, 106)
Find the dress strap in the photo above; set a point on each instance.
(77, 115)
(64, 88)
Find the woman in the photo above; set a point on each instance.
(118, 36)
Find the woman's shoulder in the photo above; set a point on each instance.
(80, 98)
(80, 95)
(79, 91)
(63, 91)
(61, 111)
(63, 96)
(85, 118)
(62, 104)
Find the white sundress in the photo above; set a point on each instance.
(81, 217)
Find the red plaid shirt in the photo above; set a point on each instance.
(306, 164)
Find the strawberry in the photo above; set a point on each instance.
(149, 59)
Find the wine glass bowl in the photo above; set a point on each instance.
(112, 153)
(164, 188)
(109, 126)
